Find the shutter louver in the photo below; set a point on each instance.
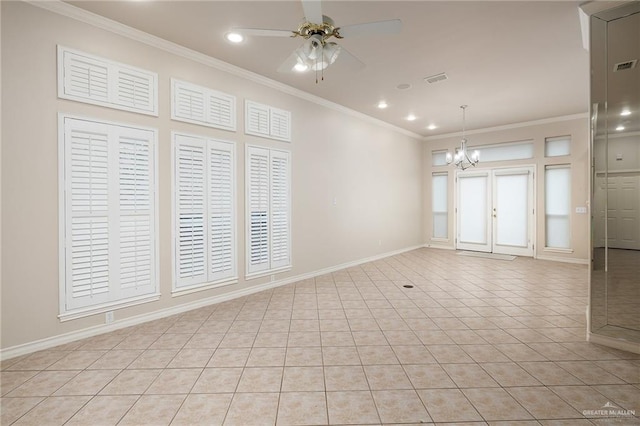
(85, 78)
(136, 241)
(221, 199)
(279, 209)
(203, 106)
(280, 124)
(87, 211)
(95, 80)
(221, 110)
(190, 205)
(268, 122)
(134, 90)
(258, 176)
(257, 119)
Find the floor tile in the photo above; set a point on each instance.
(350, 408)
(343, 378)
(87, 382)
(400, 406)
(53, 410)
(191, 358)
(203, 409)
(153, 358)
(543, 403)
(131, 382)
(370, 355)
(249, 409)
(298, 379)
(550, 374)
(103, 410)
(429, 376)
(174, 381)
(229, 357)
(260, 379)
(11, 409)
(448, 405)
(509, 374)
(496, 404)
(266, 357)
(469, 376)
(44, 383)
(153, 410)
(302, 408)
(386, 377)
(218, 380)
(339, 355)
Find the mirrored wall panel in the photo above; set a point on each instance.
(615, 201)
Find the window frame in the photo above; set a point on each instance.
(66, 314)
(269, 270)
(178, 290)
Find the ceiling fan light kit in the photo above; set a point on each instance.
(317, 53)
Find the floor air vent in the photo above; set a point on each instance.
(625, 65)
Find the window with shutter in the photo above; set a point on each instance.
(91, 79)
(108, 229)
(200, 105)
(268, 212)
(204, 213)
(268, 122)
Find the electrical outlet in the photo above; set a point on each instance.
(273, 278)
(581, 210)
(108, 317)
(379, 243)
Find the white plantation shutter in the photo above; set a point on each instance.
(134, 89)
(256, 119)
(136, 190)
(108, 213)
(204, 211)
(279, 209)
(87, 214)
(200, 105)
(280, 124)
(258, 203)
(221, 211)
(266, 121)
(95, 80)
(190, 158)
(268, 201)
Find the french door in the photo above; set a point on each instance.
(495, 211)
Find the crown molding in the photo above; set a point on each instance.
(73, 12)
(582, 115)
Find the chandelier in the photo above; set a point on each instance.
(461, 159)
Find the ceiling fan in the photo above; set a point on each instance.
(318, 52)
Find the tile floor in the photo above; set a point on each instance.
(475, 341)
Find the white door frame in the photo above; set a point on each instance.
(491, 246)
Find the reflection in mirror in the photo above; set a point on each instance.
(615, 203)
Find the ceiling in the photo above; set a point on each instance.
(511, 62)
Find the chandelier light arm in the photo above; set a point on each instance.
(461, 159)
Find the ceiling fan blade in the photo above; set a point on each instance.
(288, 65)
(312, 11)
(393, 26)
(347, 60)
(263, 33)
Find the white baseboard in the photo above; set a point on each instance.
(565, 260)
(623, 345)
(61, 339)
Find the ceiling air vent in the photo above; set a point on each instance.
(436, 78)
(625, 65)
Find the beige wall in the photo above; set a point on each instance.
(373, 172)
(577, 128)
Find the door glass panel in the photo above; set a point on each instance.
(511, 194)
(473, 209)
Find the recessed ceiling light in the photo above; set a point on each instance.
(234, 37)
(411, 117)
(620, 128)
(403, 86)
(382, 105)
(432, 127)
(625, 112)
